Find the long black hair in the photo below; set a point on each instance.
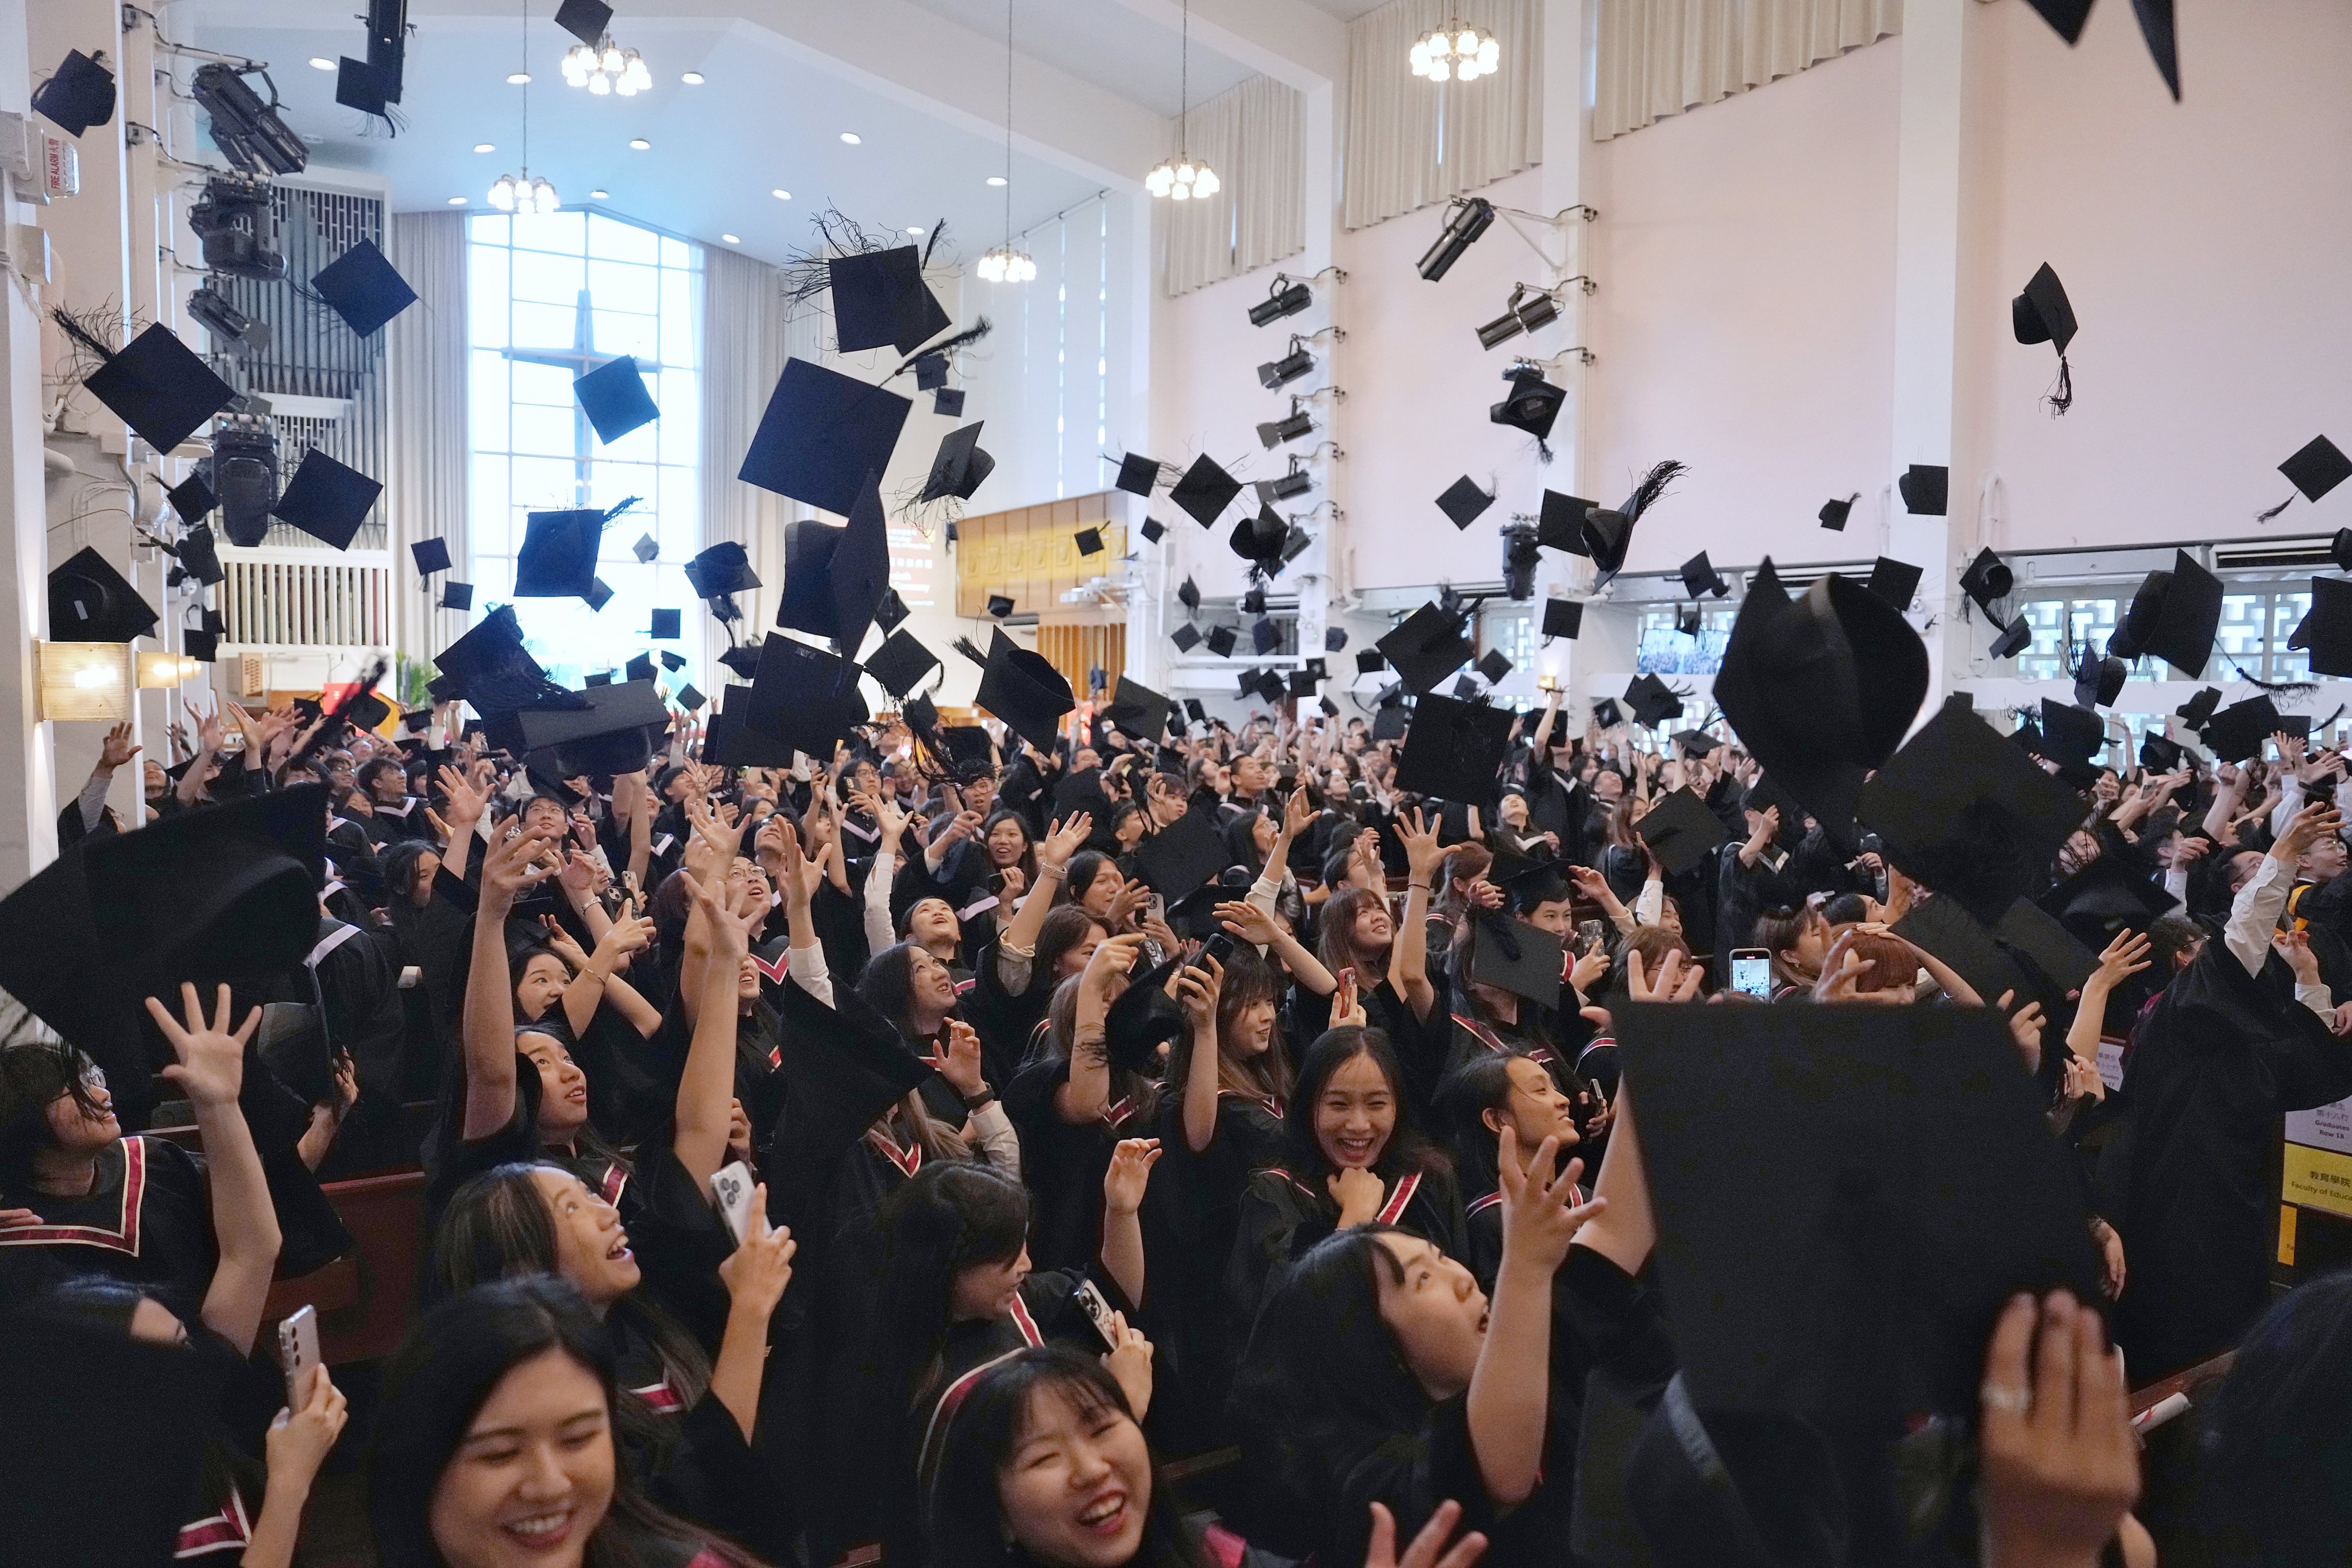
(887, 984)
(2277, 1438)
(949, 1217)
(963, 1509)
(438, 1380)
(32, 1074)
(1464, 1097)
(1406, 1151)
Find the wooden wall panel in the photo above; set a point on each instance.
(1032, 555)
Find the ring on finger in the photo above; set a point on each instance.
(1999, 1396)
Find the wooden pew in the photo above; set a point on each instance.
(363, 1297)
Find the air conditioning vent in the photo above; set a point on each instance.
(2295, 555)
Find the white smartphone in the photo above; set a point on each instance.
(411, 977)
(1751, 972)
(298, 1351)
(732, 1188)
(1098, 1311)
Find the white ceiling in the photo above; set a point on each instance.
(764, 120)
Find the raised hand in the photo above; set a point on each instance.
(1541, 1214)
(1131, 1160)
(2059, 1464)
(1672, 984)
(727, 929)
(2309, 824)
(512, 865)
(1428, 1549)
(1247, 921)
(1422, 853)
(1196, 990)
(2295, 946)
(2125, 957)
(1131, 897)
(1130, 1364)
(117, 749)
(1297, 812)
(211, 1068)
(959, 1062)
(299, 1440)
(757, 1272)
(1065, 840)
(1111, 960)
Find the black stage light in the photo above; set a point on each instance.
(246, 130)
(233, 331)
(1294, 483)
(233, 219)
(1537, 310)
(1466, 219)
(1280, 372)
(1290, 428)
(1520, 555)
(1500, 331)
(245, 476)
(1284, 297)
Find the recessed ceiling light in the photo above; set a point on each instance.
(601, 195)
(485, 147)
(321, 63)
(517, 78)
(692, 79)
(639, 144)
(995, 179)
(780, 195)
(457, 201)
(731, 239)
(851, 137)
(916, 229)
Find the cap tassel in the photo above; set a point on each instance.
(2064, 398)
(2272, 688)
(2266, 516)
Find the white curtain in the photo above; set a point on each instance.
(1041, 378)
(1254, 136)
(1412, 142)
(426, 485)
(1662, 57)
(745, 342)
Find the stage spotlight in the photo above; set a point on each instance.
(1539, 310)
(1276, 373)
(233, 331)
(1466, 219)
(1500, 331)
(1290, 428)
(245, 476)
(1284, 297)
(1520, 555)
(246, 130)
(1294, 484)
(1528, 309)
(232, 218)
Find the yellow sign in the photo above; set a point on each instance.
(2318, 1179)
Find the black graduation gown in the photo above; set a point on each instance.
(1064, 1164)
(146, 1221)
(1282, 1216)
(692, 1458)
(1201, 1342)
(1004, 1019)
(2215, 1062)
(1473, 1037)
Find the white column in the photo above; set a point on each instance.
(1567, 157)
(1311, 575)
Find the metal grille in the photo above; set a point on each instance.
(309, 604)
(313, 354)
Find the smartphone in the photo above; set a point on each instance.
(298, 1351)
(1587, 935)
(731, 1188)
(1751, 972)
(1219, 947)
(1097, 1310)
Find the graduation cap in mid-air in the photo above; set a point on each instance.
(671, 661)
(1137, 474)
(1153, 530)
(1186, 637)
(159, 388)
(457, 596)
(431, 556)
(585, 20)
(2155, 27)
(2160, 754)
(90, 601)
(725, 568)
(1700, 577)
(1205, 491)
(363, 288)
(1988, 580)
(879, 299)
(2012, 640)
(1426, 646)
(557, 557)
(959, 465)
(329, 500)
(1139, 710)
(1000, 605)
(1258, 536)
(2099, 680)
(663, 624)
(803, 696)
(2238, 730)
(1494, 665)
(79, 94)
(1894, 581)
(1653, 702)
(1607, 533)
(192, 499)
(1371, 661)
(1022, 687)
(1454, 752)
(615, 398)
(2317, 467)
(1532, 404)
(1222, 641)
(490, 667)
(947, 402)
(640, 667)
(1926, 489)
(1834, 511)
(1264, 636)
(1464, 502)
(930, 373)
(2174, 616)
(2197, 711)
(822, 434)
(1563, 618)
(368, 88)
(1559, 523)
(1090, 541)
(900, 662)
(2326, 631)
(1680, 830)
(199, 555)
(613, 733)
(2041, 314)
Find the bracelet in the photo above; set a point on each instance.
(1045, 871)
(980, 1101)
(1417, 886)
(591, 974)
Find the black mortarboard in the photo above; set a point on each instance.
(1370, 661)
(731, 741)
(859, 574)
(1943, 927)
(743, 659)
(363, 288)
(1653, 702)
(1389, 722)
(193, 499)
(930, 373)
(490, 667)
(646, 548)
(214, 622)
(585, 20)
(1335, 639)
(822, 434)
(1153, 530)
(1205, 491)
(328, 500)
(880, 297)
(2174, 615)
(431, 556)
(1000, 605)
(1821, 689)
(959, 465)
(456, 596)
(1700, 577)
(1143, 1018)
(2112, 894)
(1514, 956)
(1561, 524)
(641, 668)
(1963, 811)
(2041, 314)
(2159, 754)
(1605, 714)
(1426, 646)
(663, 626)
(1463, 502)
(159, 388)
(1494, 665)
(2070, 734)
(1465, 687)
(890, 610)
(2197, 711)
(368, 88)
(689, 699)
(1257, 536)
(199, 555)
(1137, 474)
(1270, 685)
(805, 696)
(78, 95)
(90, 601)
(1680, 830)
(1532, 404)
(1834, 510)
(1182, 856)
(558, 559)
(1303, 682)
(2238, 731)
(1090, 541)
(1187, 594)
(1264, 636)
(1563, 618)
(2012, 640)
(1894, 581)
(900, 662)
(200, 643)
(1925, 490)
(2326, 631)
(1455, 751)
(1778, 1292)
(1988, 580)
(947, 402)
(1694, 742)
(1021, 687)
(671, 661)
(597, 678)
(1222, 641)
(2317, 468)
(724, 568)
(615, 398)
(1139, 710)
(2051, 950)
(1186, 637)
(2099, 681)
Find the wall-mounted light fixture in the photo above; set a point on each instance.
(85, 680)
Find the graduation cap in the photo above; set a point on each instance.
(1700, 577)
(2174, 616)
(1137, 474)
(947, 402)
(822, 434)
(2099, 681)
(1834, 511)
(859, 572)
(1257, 537)
(369, 89)
(663, 624)
(2112, 894)
(1532, 404)
(615, 398)
(1943, 926)
(1514, 956)
(1464, 502)
(1821, 689)
(2155, 27)
(879, 298)
(1143, 1018)
(671, 661)
(930, 373)
(1563, 618)
(200, 558)
(2238, 731)
(159, 388)
(1964, 812)
(1222, 641)
(1182, 856)
(328, 500)
(641, 668)
(2013, 640)
(1186, 637)
(489, 667)
(457, 596)
(731, 741)
(1153, 530)
(1270, 685)
(1139, 710)
(78, 95)
(1090, 541)
(1925, 488)
(1000, 605)
(959, 465)
(1254, 602)
(1205, 491)
(1021, 687)
(1370, 661)
(646, 548)
(805, 696)
(1455, 751)
(2071, 734)
(689, 697)
(1389, 722)
(2042, 315)
(2159, 754)
(1988, 580)
(743, 659)
(1605, 714)
(192, 499)
(558, 559)
(363, 288)
(1680, 830)
(1426, 646)
(1653, 702)
(431, 556)
(1493, 666)
(900, 662)
(2326, 631)
(2197, 711)
(201, 644)
(1264, 636)
(724, 568)
(1560, 525)
(1303, 682)
(1696, 742)
(585, 20)
(90, 601)
(1894, 581)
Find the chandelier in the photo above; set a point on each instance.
(1004, 264)
(521, 193)
(605, 68)
(1457, 51)
(1183, 178)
